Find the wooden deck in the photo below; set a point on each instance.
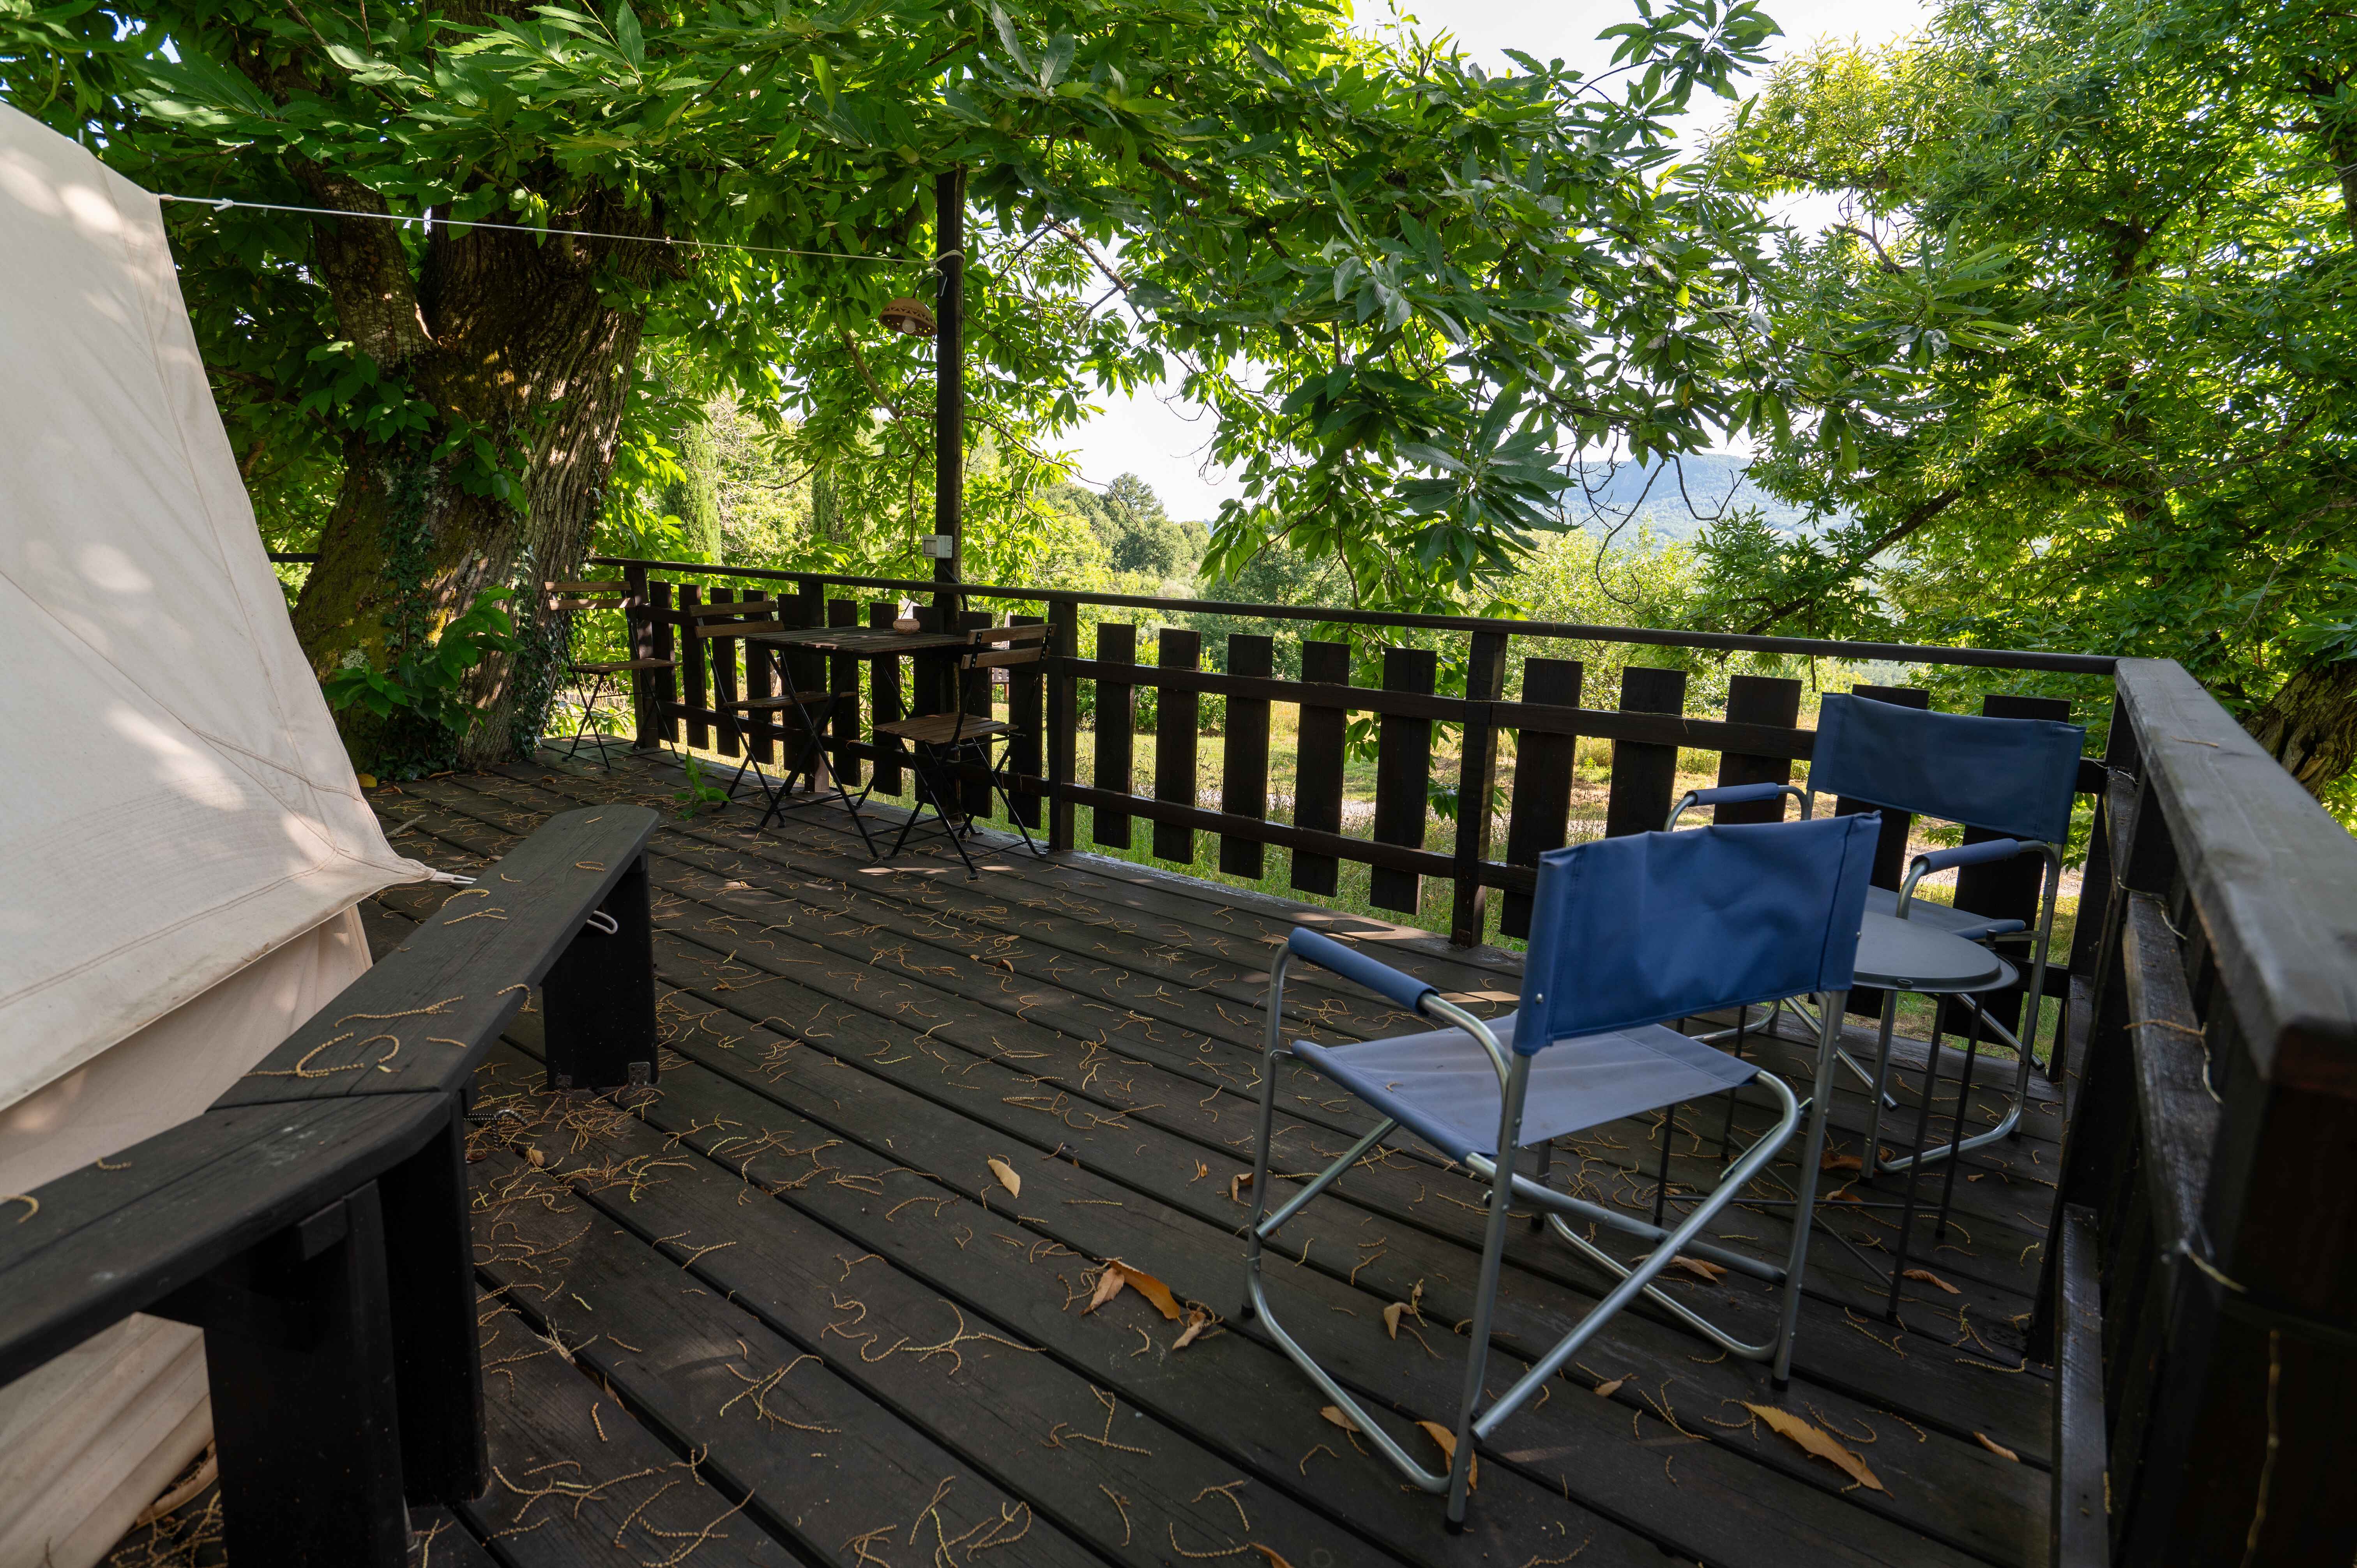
(783, 1308)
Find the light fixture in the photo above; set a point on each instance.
(910, 317)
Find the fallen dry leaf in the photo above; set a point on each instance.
(1196, 1321)
(1817, 1441)
(1007, 1176)
(1236, 1185)
(1929, 1278)
(1117, 1274)
(1392, 1315)
(1709, 1273)
(1333, 1412)
(1999, 1449)
(1270, 1553)
(1838, 1162)
(1110, 1284)
(536, 1158)
(1447, 1441)
(1606, 1391)
(1842, 1195)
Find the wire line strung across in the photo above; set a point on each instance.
(223, 203)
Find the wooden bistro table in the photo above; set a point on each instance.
(867, 642)
(1899, 955)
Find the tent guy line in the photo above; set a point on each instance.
(223, 203)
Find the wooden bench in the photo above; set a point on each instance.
(313, 1220)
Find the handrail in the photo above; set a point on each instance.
(1893, 652)
(2200, 1311)
(313, 1221)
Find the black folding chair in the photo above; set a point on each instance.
(593, 682)
(948, 744)
(804, 740)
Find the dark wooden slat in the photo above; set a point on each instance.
(730, 731)
(1178, 715)
(788, 1271)
(1402, 778)
(1117, 715)
(1317, 765)
(107, 1242)
(1477, 779)
(884, 699)
(1538, 816)
(694, 667)
(760, 682)
(1644, 776)
(680, 1354)
(2082, 1522)
(976, 694)
(843, 677)
(549, 1423)
(640, 635)
(1064, 720)
(666, 682)
(1243, 760)
(1026, 711)
(1758, 700)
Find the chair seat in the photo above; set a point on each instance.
(759, 704)
(940, 729)
(1941, 918)
(618, 665)
(1442, 1087)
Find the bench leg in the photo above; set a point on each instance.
(299, 1353)
(599, 996)
(438, 1363)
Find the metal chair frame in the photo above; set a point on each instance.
(805, 755)
(1514, 1080)
(937, 764)
(591, 683)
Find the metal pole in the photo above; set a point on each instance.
(949, 378)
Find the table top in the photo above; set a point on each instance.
(865, 641)
(1908, 955)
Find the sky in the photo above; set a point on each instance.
(1163, 438)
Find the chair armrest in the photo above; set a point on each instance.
(1973, 853)
(1734, 795)
(1379, 978)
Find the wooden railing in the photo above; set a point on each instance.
(1758, 739)
(314, 1220)
(2204, 1301)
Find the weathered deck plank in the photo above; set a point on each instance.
(1096, 1026)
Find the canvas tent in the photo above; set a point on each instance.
(182, 839)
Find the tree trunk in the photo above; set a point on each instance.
(2311, 724)
(521, 349)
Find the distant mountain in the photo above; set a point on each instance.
(1715, 482)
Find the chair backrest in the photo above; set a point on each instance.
(2014, 777)
(722, 619)
(595, 595)
(996, 646)
(1652, 926)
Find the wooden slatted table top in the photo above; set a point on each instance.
(864, 641)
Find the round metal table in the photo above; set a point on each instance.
(1898, 955)
(1901, 955)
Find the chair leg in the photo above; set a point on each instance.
(1485, 1293)
(1914, 1173)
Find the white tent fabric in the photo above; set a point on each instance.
(174, 801)
(182, 841)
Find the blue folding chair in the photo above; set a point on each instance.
(1626, 934)
(2014, 778)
